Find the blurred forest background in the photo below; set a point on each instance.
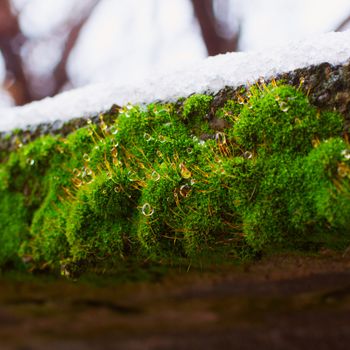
(48, 46)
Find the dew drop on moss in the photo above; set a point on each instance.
(76, 172)
(86, 157)
(284, 107)
(155, 176)
(113, 130)
(248, 155)
(147, 137)
(30, 161)
(185, 190)
(161, 139)
(185, 173)
(147, 210)
(346, 154)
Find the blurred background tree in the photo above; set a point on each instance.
(53, 45)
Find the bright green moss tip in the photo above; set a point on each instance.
(150, 187)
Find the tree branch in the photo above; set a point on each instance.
(343, 24)
(215, 43)
(60, 73)
(11, 40)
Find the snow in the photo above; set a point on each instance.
(211, 74)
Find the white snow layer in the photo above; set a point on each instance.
(211, 74)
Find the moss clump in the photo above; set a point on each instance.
(281, 120)
(13, 227)
(196, 107)
(144, 186)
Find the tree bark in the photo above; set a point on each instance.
(214, 42)
(343, 24)
(60, 73)
(11, 40)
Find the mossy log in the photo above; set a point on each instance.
(229, 175)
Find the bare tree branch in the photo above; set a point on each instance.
(60, 73)
(214, 42)
(11, 40)
(343, 24)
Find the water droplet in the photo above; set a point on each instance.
(185, 190)
(155, 176)
(86, 157)
(76, 172)
(147, 137)
(189, 150)
(117, 189)
(220, 138)
(248, 155)
(30, 161)
(132, 175)
(283, 106)
(147, 210)
(346, 154)
(161, 138)
(113, 130)
(185, 173)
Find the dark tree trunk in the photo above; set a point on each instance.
(208, 23)
(11, 40)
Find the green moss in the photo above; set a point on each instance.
(13, 226)
(196, 106)
(141, 185)
(280, 119)
(195, 113)
(328, 172)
